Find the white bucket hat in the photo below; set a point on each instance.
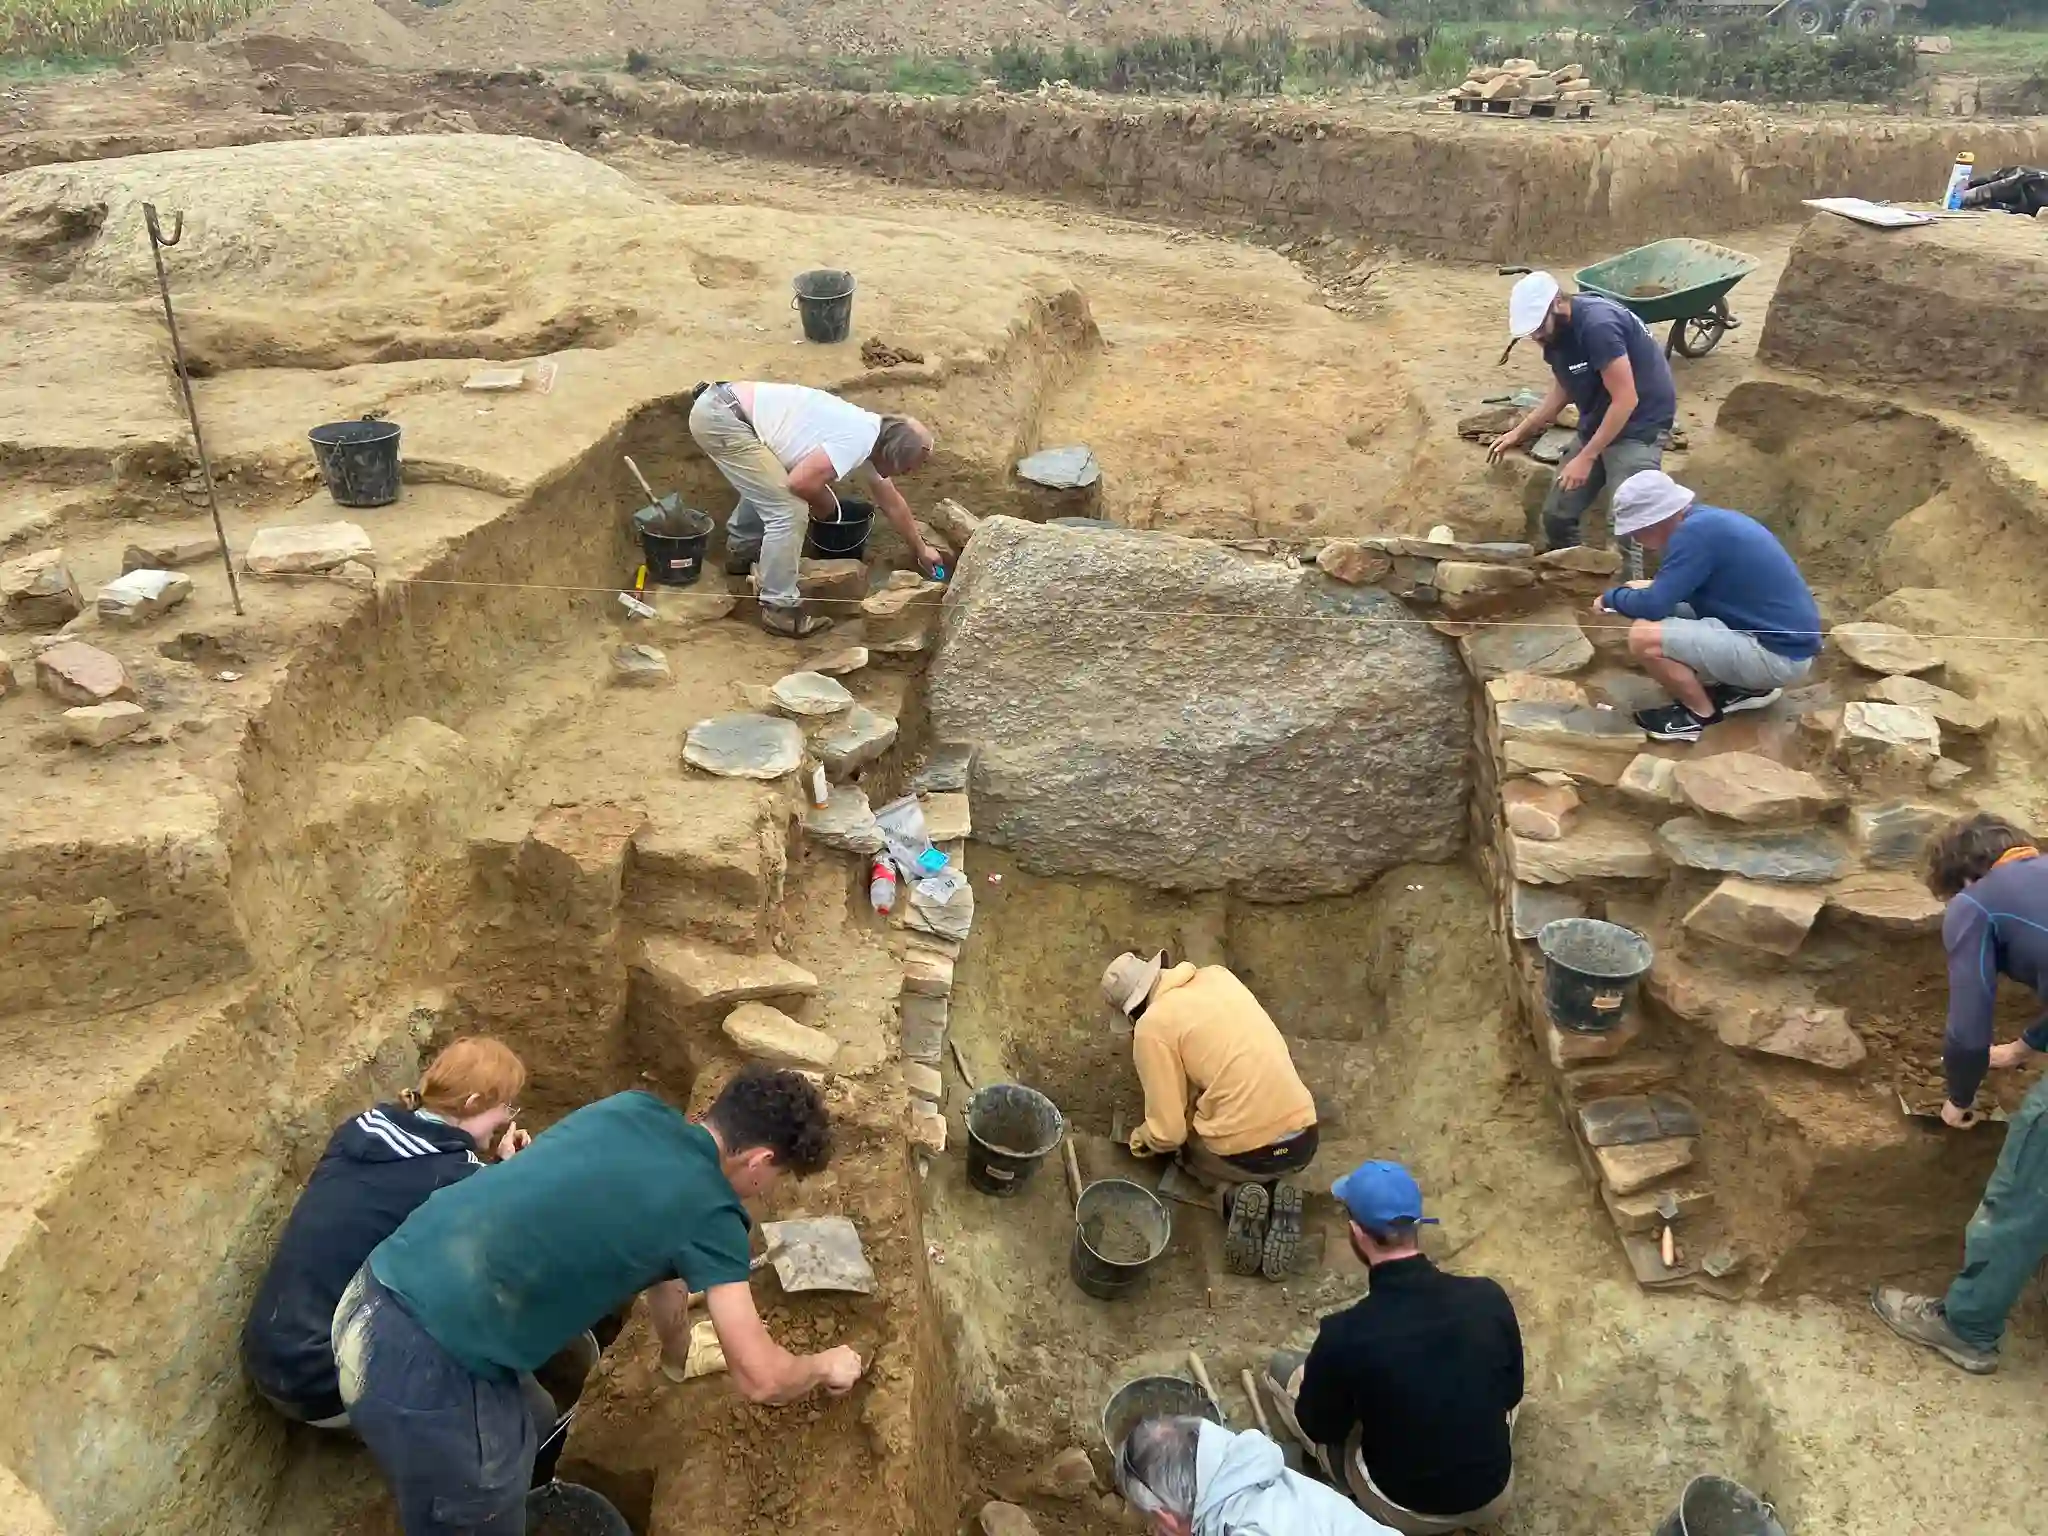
(1646, 499)
(1529, 302)
(1129, 980)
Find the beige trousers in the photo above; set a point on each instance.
(768, 511)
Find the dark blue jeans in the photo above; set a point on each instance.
(456, 1448)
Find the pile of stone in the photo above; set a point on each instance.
(1521, 86)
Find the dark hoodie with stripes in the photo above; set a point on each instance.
(377, 1170)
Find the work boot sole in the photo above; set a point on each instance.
(1283, 1232)
(1244, 1239)
(1974, 1361)
(798, 626)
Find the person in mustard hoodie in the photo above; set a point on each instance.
(1222, 1097)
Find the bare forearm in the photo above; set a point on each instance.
(1547, 411)
(668, 1304)
(1611, 425)
(897, 510)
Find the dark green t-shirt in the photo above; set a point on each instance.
(508, 1266)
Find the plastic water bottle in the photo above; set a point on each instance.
(882, 886)
(1959, 180)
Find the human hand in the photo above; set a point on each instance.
(838, 1370)
(1600, 605)
(1141, 1145)
(514, 1140)
(1503, 445)
(1576, 472)
(1958, 1119)
(928, 560)
(2015, 1053)
(1640, 585)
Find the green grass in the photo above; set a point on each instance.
(919, 74)
(55, 66)
(1995, 51)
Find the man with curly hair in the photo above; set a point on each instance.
(439, 1330)
(1996, 885)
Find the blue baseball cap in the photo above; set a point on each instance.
(1380, 1194)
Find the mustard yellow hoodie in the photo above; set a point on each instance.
(1204, 1039)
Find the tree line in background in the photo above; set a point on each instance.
(1739, 62)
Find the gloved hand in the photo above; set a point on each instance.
(1141, 1145)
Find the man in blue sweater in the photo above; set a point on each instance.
(1728, 624)
(1996, 885)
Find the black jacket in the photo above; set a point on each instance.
(1426, 1368)
(377, 1170)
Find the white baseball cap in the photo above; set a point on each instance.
(1530, 302)
(1646, 499)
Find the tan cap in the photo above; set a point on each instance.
(1128, 981)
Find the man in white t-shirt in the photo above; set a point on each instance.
(781, 446)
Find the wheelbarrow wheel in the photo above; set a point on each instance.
(1697, 335)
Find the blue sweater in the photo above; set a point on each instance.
(1732, 568)
(1997, 927)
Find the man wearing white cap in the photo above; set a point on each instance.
(1728, 624)
(1605, 361)
(1221, 1093)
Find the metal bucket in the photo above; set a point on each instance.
(1715, 1506)
(1141, 1227)
(1590, 971)
(1011, 1129)
(570, 1509)
(1153, 1397)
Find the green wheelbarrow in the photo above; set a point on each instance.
(1683, 281)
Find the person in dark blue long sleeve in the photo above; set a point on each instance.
(1996, 885)
(1728, 624)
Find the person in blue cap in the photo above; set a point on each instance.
(1408, 1397)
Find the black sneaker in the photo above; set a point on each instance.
(1674, 722)
(1733, 701)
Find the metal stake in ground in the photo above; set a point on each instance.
(157, 244)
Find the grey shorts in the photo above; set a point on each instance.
(1732, 656)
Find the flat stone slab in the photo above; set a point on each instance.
(165, 554)
(927, 973)
(1753, 790)
(1071, 468)
(923, 1082)
(770, 1035)
(1755, 915)
(924, 1019)
(1596, 849)
(838, 584)
(947, 770)
(140, 596)
(1894, 902)
(947, 818)
(1650, 781)
(1580, 560)
(1606, 730)
(1893, 834)
(1951, 711)
(845, 821)
(853, 740)
(810, 695)
(306, 548)
(640, 666)
(1628, 1120)
(839, 663)
(1548, 643)
(1624, 1170)
(1638, 1212)
(1877, 738)
(745, 746)
(700, 975)
(1884, 647)
(38, 592)
(1801, 857)
(73, 672)
(99, 725)
(1531, 906)
(949, 919)
(1819, 1036)
(1593, 766)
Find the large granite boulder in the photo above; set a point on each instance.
(1164, 711)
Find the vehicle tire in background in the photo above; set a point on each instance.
(1809, 18)
(1867, 16)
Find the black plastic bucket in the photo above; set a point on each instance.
(1152, 1397)
(358, 460)
(846, 539)
(1714, 1506)
(825, 300)
(1011, 1129)
(673, 539)
(1590, 972)
(570, 1509)
(1119, 1229)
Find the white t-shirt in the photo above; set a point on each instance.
(793, 420)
